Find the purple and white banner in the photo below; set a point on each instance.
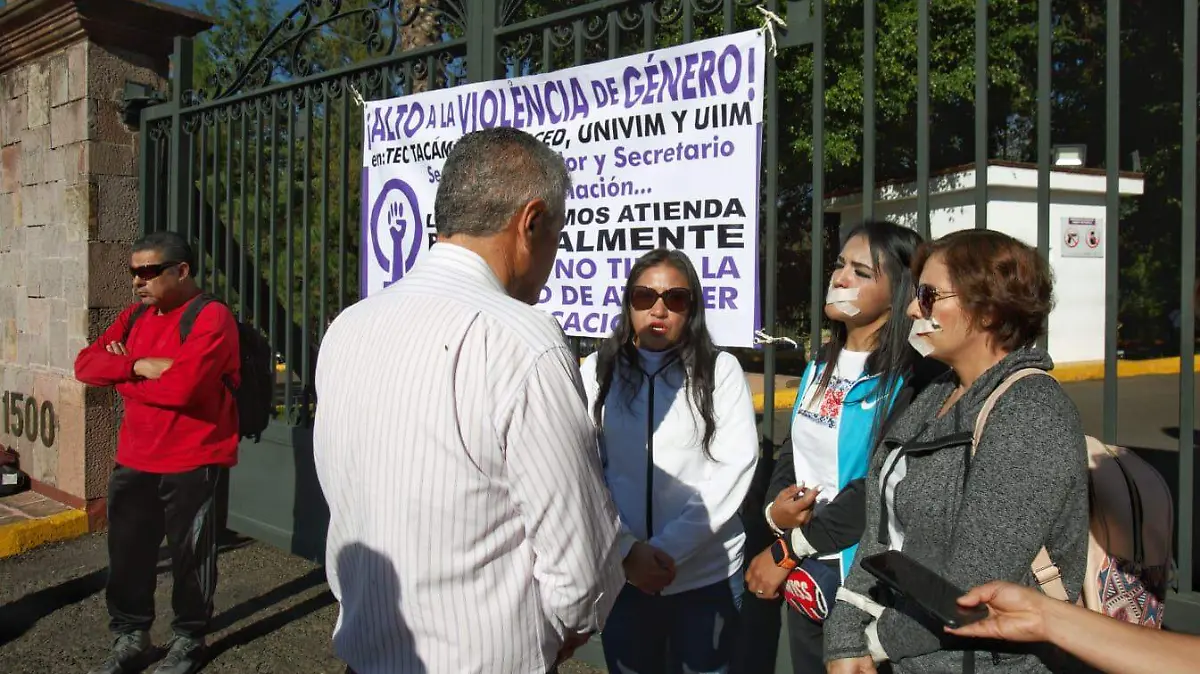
(664, 150)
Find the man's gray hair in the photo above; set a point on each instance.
(492, 173)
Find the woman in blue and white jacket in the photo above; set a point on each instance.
(679, 444)
(862, 377)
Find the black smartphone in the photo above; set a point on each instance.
(938, 596)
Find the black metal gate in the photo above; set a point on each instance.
(260, 167)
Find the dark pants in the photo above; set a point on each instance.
(142, 508)
(693, 631)
(759, 638)
(806, 638)
(760, 618)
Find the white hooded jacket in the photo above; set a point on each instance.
(695, 499)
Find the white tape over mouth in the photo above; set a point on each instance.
(842, 298)
(922, 326)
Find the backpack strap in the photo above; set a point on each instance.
(992, 399)
(137, 313)
(188, 319)
(1049, 578)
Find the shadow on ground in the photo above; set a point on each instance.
(17, 617)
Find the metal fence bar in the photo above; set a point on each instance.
(1044, 65)
(273, 272)
(1187, 325)
(1112, 166)
(242, 216)
(214, 211)
(982, 145)
(343, 241)
(187, 167)
(289, 350)
(228, 218)
(327, 119)
(689, 24)
(868, 158)
(179, 195)
(771, 245)
(923, 118)
(817, 275)
(201, 239)
(614, 35)
(306, 253)
(647, 26)
(258, 164)
(577, 33)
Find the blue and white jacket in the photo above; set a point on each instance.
(855, 433)
(839, 524)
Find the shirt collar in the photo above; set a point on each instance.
(467, 263)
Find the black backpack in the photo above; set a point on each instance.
(255, 398)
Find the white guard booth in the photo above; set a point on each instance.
(1077, 233)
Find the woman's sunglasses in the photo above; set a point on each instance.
(927, 295)
(677, 300)
(148, 272)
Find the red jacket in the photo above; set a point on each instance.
(187, 418)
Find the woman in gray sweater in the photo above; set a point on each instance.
(983, 299)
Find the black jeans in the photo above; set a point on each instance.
(142, 508)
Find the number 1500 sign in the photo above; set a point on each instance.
(24, 417)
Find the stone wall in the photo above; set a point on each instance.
(68, 216)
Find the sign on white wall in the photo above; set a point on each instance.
(664, 151)
(1082, 237)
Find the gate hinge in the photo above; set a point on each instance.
(137, 97)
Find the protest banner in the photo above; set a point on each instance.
(664, 151)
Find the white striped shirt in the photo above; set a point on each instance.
(470, 527)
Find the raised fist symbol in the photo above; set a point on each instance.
(396, 218)
(398, 225)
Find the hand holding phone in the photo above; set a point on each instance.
(793, 506)
(936, 595)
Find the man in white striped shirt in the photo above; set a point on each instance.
(470, 528)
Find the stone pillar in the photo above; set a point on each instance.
(68, 214)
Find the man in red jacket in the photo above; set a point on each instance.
(178, 434)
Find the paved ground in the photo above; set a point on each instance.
(274, 613)
(1147, 410)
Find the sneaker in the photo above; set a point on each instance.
(129, 652)
(185, 655)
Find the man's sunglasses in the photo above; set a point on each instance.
(148, 272)
(677, 300)
(927, 295)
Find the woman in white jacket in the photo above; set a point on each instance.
(679, 444)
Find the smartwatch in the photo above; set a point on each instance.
(782, 555)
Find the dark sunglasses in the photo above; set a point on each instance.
(148, 272)
(677, 300)
(927, 295)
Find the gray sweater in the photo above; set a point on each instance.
(1026, 487)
